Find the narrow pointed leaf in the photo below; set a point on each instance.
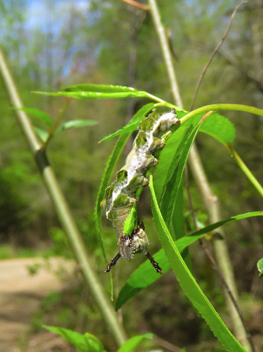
(165, 159)
(188, 283)
(134, 123)
(145, 275)
(175, 174)
(83, 343)
(75, 124)
(42, 134)
(41, 115)
(97, 91)
(132, 343)
(99, 88)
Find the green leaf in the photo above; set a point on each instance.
(41, 115)
(99, 88)
(133, 124)
(75, 124)
(42, 134)
(84, 343)
(145, 275)
(132, 343)
(97, 91)
(165, 159)
(219, 127)
(215, 125)
(188, 283)
(175, 174)
(260, 266)
(93, 343)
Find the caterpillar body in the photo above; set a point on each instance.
(120, 203)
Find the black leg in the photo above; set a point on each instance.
(154, 264)
(113, 262)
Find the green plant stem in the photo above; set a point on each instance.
(245, 169)
(233, 107)
(62, 208)
(160, 30)
(162, 102)
(197, 169)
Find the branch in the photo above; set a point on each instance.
(166, 52)
(208, 197)
(214, 52)
(216, 268)
(245, 169)
(62, 208)
(234, 63)
(137, 4)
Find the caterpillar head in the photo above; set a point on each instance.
(136, 243)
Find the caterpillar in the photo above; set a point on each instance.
(120, 203)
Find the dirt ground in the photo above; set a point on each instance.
(20, 296)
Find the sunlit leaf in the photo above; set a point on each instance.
(132, 343)
(75, 124)
(175, 174)
(97, 91)
(42, 134)
(189, 284)
(134, 123)
(41, 115)
(99, 88)
(165, 159)
(83, 343)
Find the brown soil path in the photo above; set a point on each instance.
(20, 295)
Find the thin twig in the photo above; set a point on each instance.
(137, 4)
(232, 61)
(214, 52)
(166, 344)
(165, 52)
(55, 125)
(244, 168)
(216, 268)
(209, 255)
(62, 208)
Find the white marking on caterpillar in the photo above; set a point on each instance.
(121, 194)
